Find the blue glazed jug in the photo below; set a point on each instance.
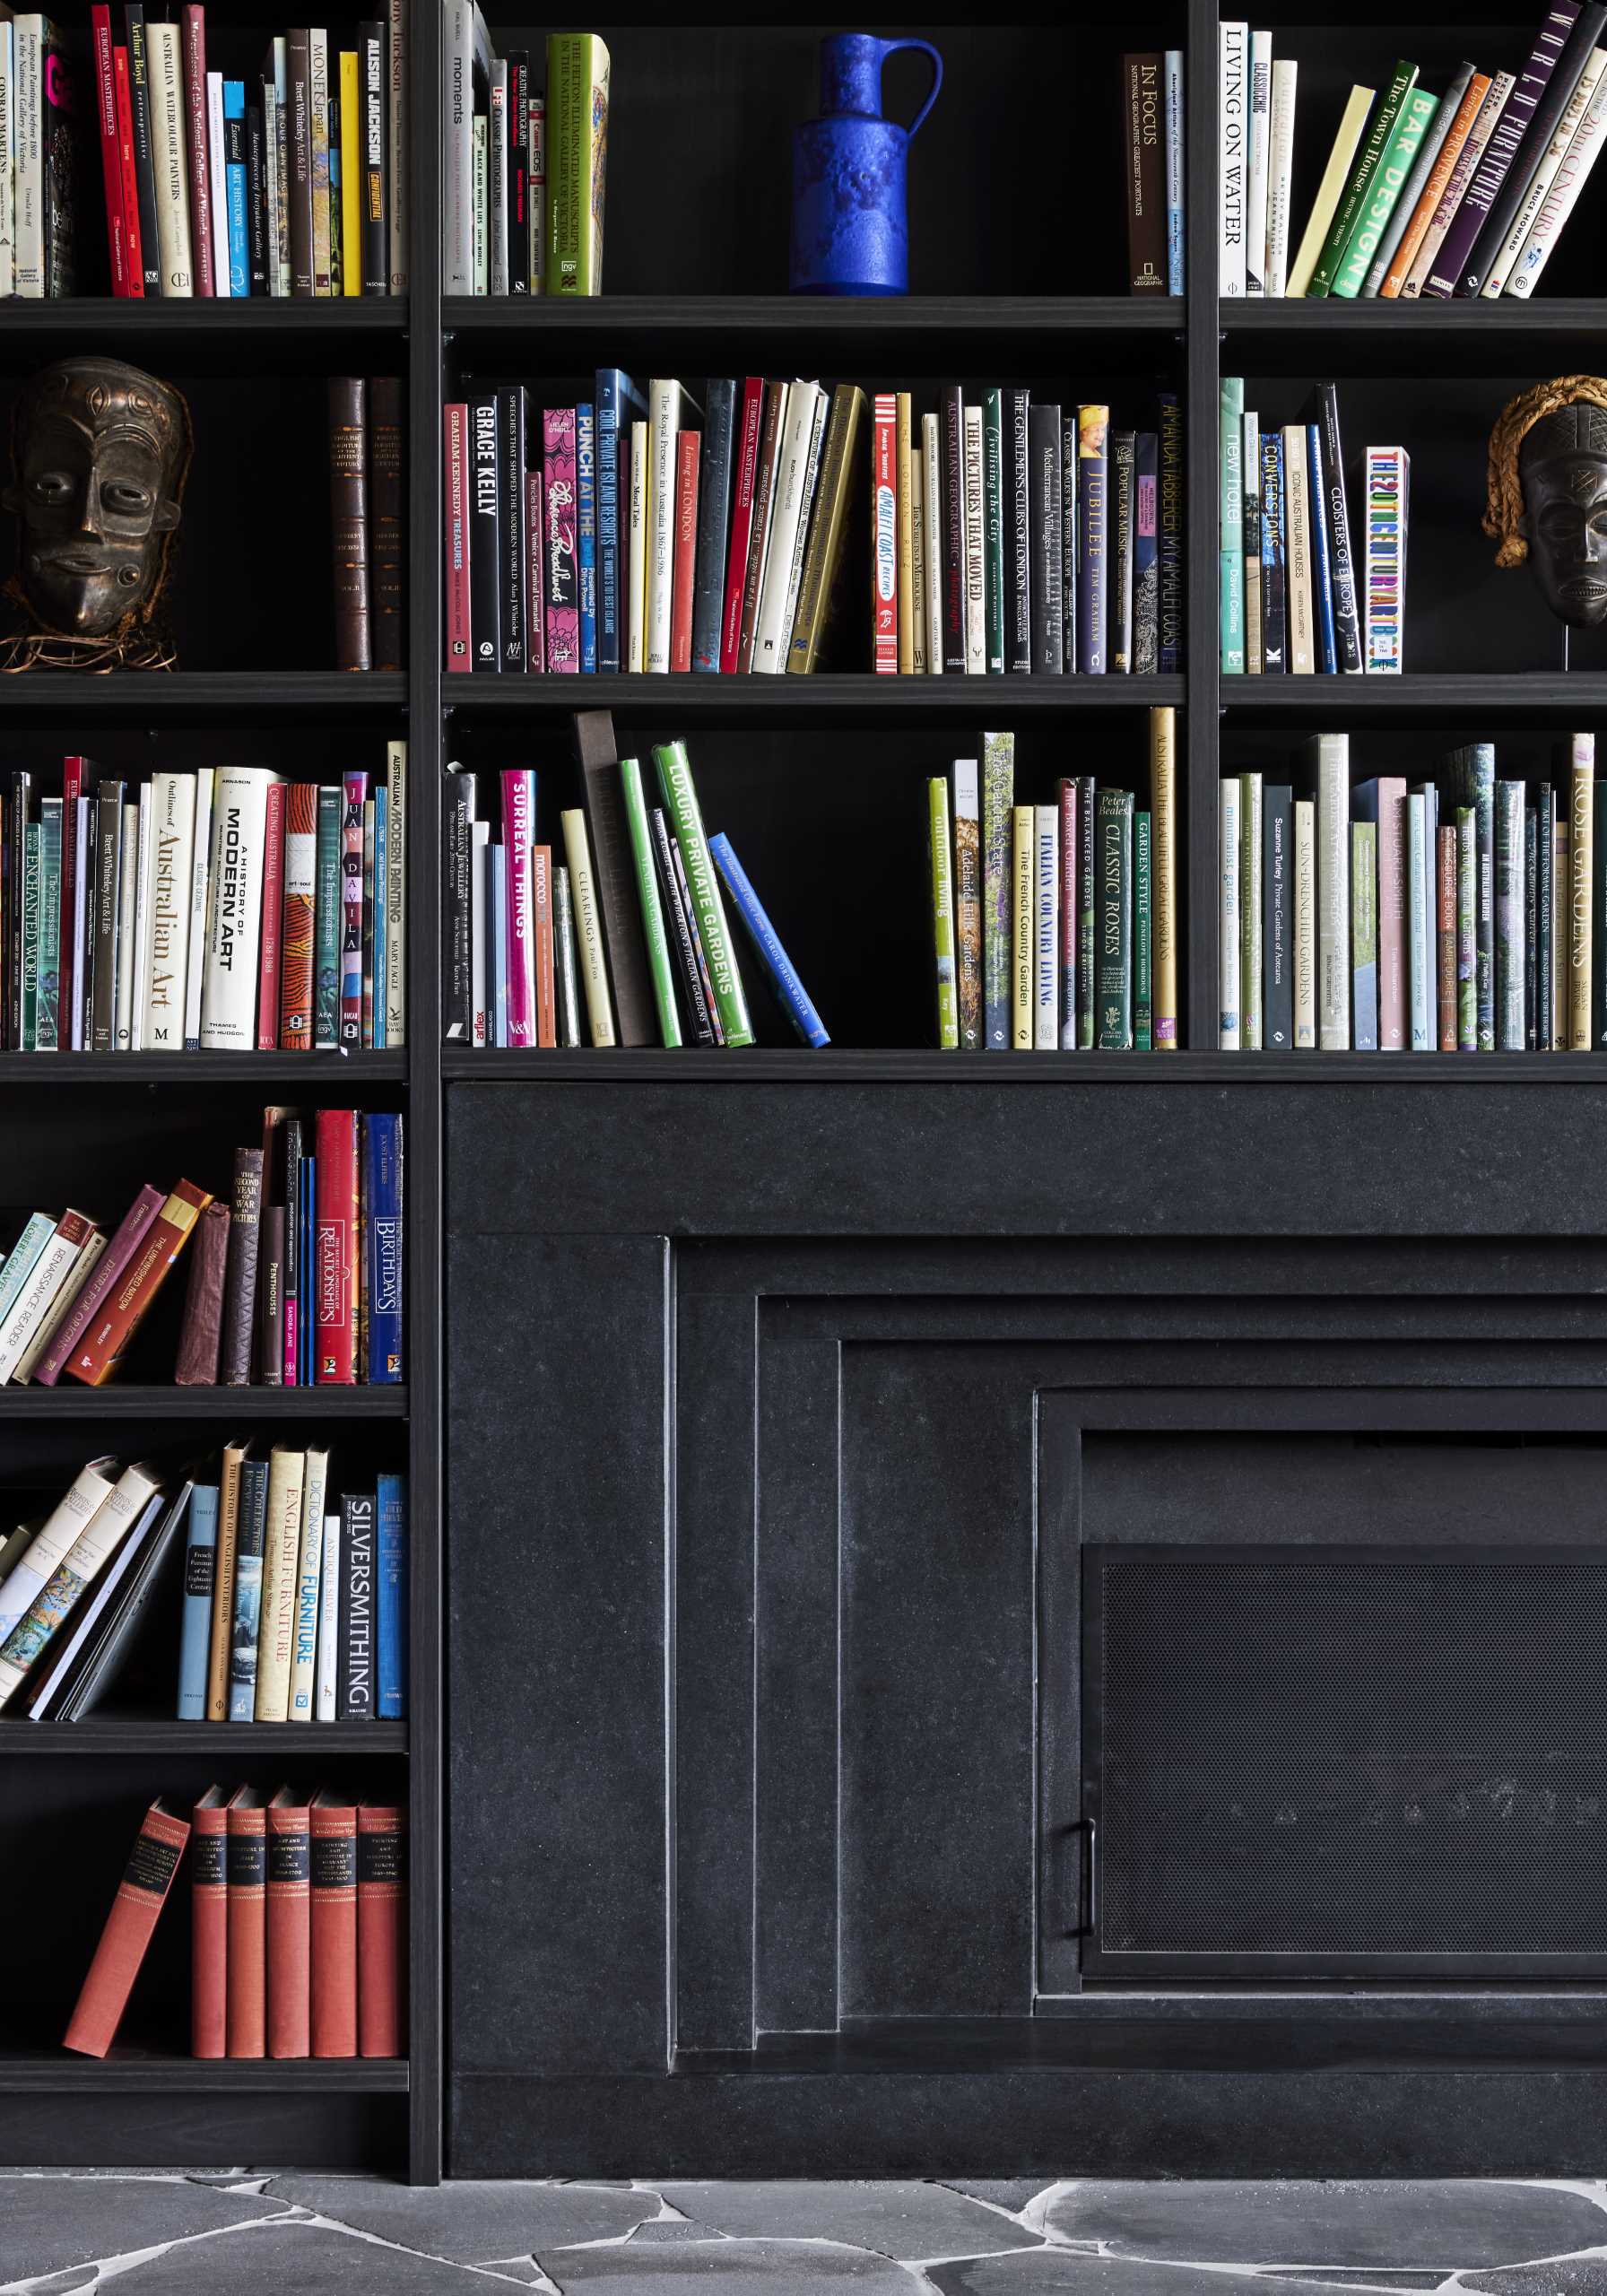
(850, 218)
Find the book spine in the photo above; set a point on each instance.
(1068, 541)
(1143, 170)
(141, 1895)
(338, 1248)
(1046, 911)
(684, 556)
(318, 95)
(741, 520)
(709, 916)
(1017, 533)
(301, 889)
(382, 1201)
(458, 608)
(1413, 125)
(1364, 937)
(143, 126)
(953, 528)
(1163, 835)
(381, 1932)
(968, 904)
(355, 791)
(134, 252)
(111, 169)
(484, 545)
(1321, 578)
(373, 197)
(332, 1926)
(585, 534)
(246, 1857)
(1385, 570)
(1456, 270)
(1122, 452)
(561, 585)
(235, 168)
(1066, 801)
(273, 918)
(1572, 173)
(168, 141)
(1142, 895)
(287, 1925)
(329, 1620)
(200, 1556)
(588, 928)
(327, 922)
(688, 970)
(204, 223)
(201, 1335)
(512, 454)
(102, 1341)
(1581, 888)
(395, 908)
(713, 506)
(993, 516)
(1258, 155)
(1251, 458)
(1336, 526)
(1232, 526)
(1510, 864)
(976, 547)
(209, 1932)
(660, 962)
(884, 534)
(1023, 954)
(1169, 540)
(1093, 433)
(1228, 854)
(1114, 985)
(1047, 575)
(1351, 205)
(1445, 940)
(1232, 120)
(1333, 891)
(1174, 171)
(998, 806)
(1545, 926)
(354, 1696)
(795, 997)
(1250, 954)
(1087, 930)
(1277, 918)
(1274, 653)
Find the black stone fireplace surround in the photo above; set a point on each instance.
(797, 1508)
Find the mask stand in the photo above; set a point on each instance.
(1565, 639)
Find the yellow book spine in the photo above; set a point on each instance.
(906, 540)
(588, 928)
(351, 175)
(1163, 876)
(1023, 937)
(1336, 175)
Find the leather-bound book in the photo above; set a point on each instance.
(332, 1826)
(201, 1335)
(247, 1887)
(141, 1894)
(101, 1345)
(209, 1925)
(289, 1926)
(239, 1288)
(381, 1931)
(131, 1232)
(387, 525)
(349, 520)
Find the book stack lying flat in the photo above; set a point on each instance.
(628, 939)
(298, 1925)
(1055, 925)
(524, 165)
(295, 1280)
(660, 532)
(1454, 191)
(290, 180)
(1303, 593)
(1463, 913)
(225, 910)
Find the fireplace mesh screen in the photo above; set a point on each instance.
(1356, 1754)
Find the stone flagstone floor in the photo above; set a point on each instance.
(237, 2234)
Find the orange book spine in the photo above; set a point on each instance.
(688, 445)
(102, 1348)
(248, 1989)
(288, 1928)
(333, 1831)
(1434, 190)
(209, 1932)
(141, 1894)
(381, 1932)
(546, 1001)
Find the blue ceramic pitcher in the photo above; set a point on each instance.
(850, 218)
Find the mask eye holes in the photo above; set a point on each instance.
(53, 487)
(124, 499)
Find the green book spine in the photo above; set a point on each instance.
(1086, 800)
(686, 819)
(998, 804)
(576, 130)
(1380, 134)
(1142, 906)
(1416, 118)
(992, 516)
(942, 913)
(1112, 833)
(654, 930)
(326, 926)
(1233, 525)
(30, 935)
(1467, 929)
(1598, 950)
(47, 1016)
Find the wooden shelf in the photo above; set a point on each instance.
(208, 1069)
(858, 696)
(766, 317)
(72, 1401)
(99, 1735)
(139, 697)
(133, 2073)
(856, 1065)
(258, 323)
(1415, 323)
(1521, 694)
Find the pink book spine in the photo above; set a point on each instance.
(535, 621)
(1070, 875)
(558, 554)
(108, 1272)
(454, 444)
(106, 106)
(518, 812)
(1392, 913)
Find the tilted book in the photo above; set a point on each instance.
(141, 1895)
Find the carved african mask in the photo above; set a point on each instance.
(99, 452)
(1563, 466)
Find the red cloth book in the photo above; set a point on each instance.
(132, 1230)
(289, 1926)
(130, 180)
(209, 1926)
(142, 1893)
(111, 169)
(381, 1931)
(273, 904)
(332, 1844)
(684, 562)
(337, 1241)
(246, 1886)
(100, 1347)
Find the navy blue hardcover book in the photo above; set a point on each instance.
(616, 397)
(586, 533)
(713, 513)
(382, 1201)
(1322, 572)
(391, 1574)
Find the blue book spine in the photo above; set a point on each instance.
(194, 1640)
(381, 818)
(586, 519)
(616, 400)
(392, 1572)
(382, 1196)
(234, 173)
(247, 1591)
(1173, 90)
(794, 996)
(713, 513)
(1321, 571)
(1275, 631)
(498, 907)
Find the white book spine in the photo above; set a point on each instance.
(805, 509)
(975, 545)
(772, 629)
(29, 167)
(396, 896)
(1045, 970)
(83, 1268)
(329, 1620)
(1544, 176)
(480, 833)
(281, 210)
(933, 503)
(496, 182)
(1385, 505)
(128, 882)
(97, 1542)
(38, 1296)
(1258, 173)
(141, 1000)
(397, 141)
(457, 155)
(636, 628)
(664, 411)
(1557, 204)
(1232, 120)
(83, 840)
(8, 158)
(195, 966)
(1227, 915)
(281, 1568)
(309, 1563)
(217, 255)
(1279, 174)
(168, 154)
(1333, 752)
(92, 1488)
(171, 869)
(23, 1253)
(1305, 941)
(270, 181)
(480, 180)
(229, 990)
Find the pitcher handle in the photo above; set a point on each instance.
(891, 47)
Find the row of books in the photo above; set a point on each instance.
(508, 229)
(1056, 926)
(298, 1280)
(1295, 598)
(223, 910)
(655, 534)
(628, 940)
(1459, 194)
(1151, 95)
(1465, 914)
(298, 1925)
(290, 182)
